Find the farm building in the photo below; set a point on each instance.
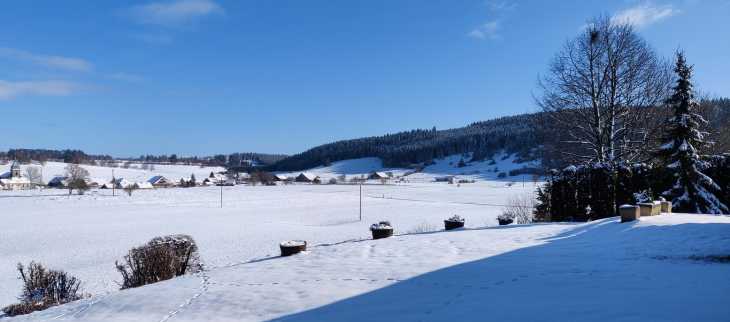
(305, 177)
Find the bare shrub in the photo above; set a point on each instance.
(333, 181)
(520, 207)
(43, 288)
(129, 189)
(162, 258)
(423, 226)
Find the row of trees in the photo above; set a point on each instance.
(608, 102)
(513, 134)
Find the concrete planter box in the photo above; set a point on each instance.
(648, 209)
(449, 225)
(629, 213)
(292, 247)
(656, 210)
(382, 233)
(666, 206)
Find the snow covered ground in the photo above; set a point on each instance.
(651, 269)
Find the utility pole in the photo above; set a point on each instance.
(360, 200)
(113, 184)
(221, 183)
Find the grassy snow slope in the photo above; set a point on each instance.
(598, 271)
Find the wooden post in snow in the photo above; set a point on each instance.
(360, 200)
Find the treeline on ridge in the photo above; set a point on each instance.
(513, 134)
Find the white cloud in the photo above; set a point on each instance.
(10, 90)
(501, 5)
(127, 77)
(72, 64)
(487, 30)
(174, 14)
(646, 14)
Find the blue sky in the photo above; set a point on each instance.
(201, 77)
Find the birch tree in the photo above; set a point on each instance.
(599, 91)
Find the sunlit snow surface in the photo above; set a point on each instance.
(651, 269)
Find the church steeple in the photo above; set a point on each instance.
(15, 169)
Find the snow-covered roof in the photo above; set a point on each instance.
(308, 175)
(57, 180)
(6, 175)
(158, 180)
(15, 180)
(143, 185)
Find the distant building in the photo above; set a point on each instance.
(449, 179)
(13, 180)
(306, 177)
(377, 175)
(161, 182)
(143, 185)
(58, 182)
(122, 183)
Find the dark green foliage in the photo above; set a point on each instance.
(542, 210)
(502, 175)
(461, 163)
(602, 190)
(693, 191)
(511, 133)
(624, 187)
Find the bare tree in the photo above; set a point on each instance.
(152, 167)
(33, 174)
(129, 189)
(520, 207)
(600, 90)
(75, 174)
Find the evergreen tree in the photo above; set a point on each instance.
(191, 183)
(462, 163)
(693, 190)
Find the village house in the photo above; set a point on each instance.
(377, 175)
(143, 185)
(58, 182)
(13, 180)
(161, 182)
(122, 183)
(449, 179)
(306, 177)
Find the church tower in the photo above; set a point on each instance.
(15, 170)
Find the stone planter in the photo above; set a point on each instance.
(382, 233)
(449, 225)
(292, 247)
(629, 213)
(503, 222)
(656, 210)
(666, 206)
(648, 209)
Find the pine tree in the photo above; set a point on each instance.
(191, 183)
(462, 163)
(693, 190)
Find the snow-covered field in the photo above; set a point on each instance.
(603, 270)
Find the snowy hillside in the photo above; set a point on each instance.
(654, 269)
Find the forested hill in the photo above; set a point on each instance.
(514, 134)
